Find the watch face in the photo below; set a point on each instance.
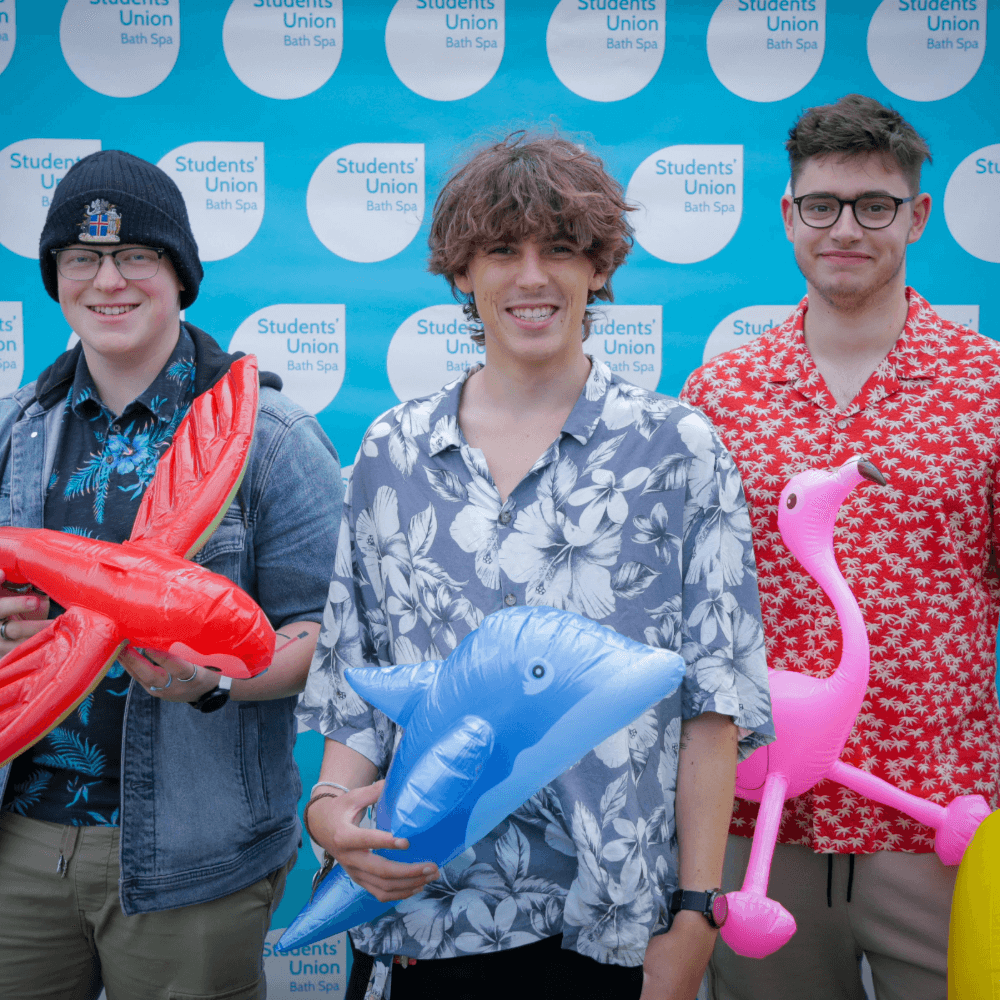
(720, 909)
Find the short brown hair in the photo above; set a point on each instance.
(856, 126)
(530, 186)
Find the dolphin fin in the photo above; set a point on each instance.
(393, 690)
(443, 776)
(337, 905)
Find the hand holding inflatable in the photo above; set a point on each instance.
(518, 702)
(144, 590)
(813, 718)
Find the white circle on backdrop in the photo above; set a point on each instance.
(302, 343)
(629, 340)
(763, 53)
(283, 53)
(30, 169)
(365, 201)
(11, 346)
(743, 327)
(963, 315)
(323, 972)
(606, 50)
(972, 203)
(8, 32)
(120, 50)
(223, 188)
(925, 50)
(690, 201)
(445, 50)
(430, 348)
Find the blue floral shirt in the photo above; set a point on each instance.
(103, 466)
(634, 517)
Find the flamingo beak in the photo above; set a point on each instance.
(870, 472)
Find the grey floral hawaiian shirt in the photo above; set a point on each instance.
(634, 517)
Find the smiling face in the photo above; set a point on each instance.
(531, 297)
(120, 321)
(850, 266)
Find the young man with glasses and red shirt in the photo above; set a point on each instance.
(144, 842)
(865, 365)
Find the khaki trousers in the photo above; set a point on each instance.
(61, 935)
(897, 915)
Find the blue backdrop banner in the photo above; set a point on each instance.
(310, 138)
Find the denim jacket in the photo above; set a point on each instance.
(208, 800)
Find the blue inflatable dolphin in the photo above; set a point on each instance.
(518, 702)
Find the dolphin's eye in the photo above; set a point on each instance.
(538, 675)
(791, 501)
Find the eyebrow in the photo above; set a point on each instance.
(881, 193)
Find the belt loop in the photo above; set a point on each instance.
(66, 849)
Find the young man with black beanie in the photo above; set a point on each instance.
(144, 843)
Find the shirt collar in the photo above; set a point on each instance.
(172, 388)
(580, 424)
(913, 356)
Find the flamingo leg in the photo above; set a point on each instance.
(757, 926)
(955, 823)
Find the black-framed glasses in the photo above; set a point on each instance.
(873, 211)
(133, 263)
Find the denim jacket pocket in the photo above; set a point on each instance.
(5, 502)
(254, 771)
(225, 550)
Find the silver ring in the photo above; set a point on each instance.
(170, 680)
(194, 674)
(3, 630)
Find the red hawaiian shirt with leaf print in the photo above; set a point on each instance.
(919, 554)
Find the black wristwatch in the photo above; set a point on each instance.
(212, 701)
(712, 905)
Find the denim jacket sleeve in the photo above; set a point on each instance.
(278, 538)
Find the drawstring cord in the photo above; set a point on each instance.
(829, 879)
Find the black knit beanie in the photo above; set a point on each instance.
(113, 197)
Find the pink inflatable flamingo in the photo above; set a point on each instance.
(813, 718)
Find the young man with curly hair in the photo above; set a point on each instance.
(865, 365)
(543, 479)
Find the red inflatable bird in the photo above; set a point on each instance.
(144, 591)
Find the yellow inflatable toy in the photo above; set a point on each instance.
(974, 934)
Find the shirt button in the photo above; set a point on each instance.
(842, 424)
(510, 600)
(504, 517)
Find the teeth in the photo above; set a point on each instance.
(112, 310)
(535, 313)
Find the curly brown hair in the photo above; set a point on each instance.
(855, 126)
(530, 186)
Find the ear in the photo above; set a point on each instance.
(598, 281)
(920, 213)
(393, 690)
(788, 216)
(462, 282)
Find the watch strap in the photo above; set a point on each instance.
(211, 701)
(701, 902)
